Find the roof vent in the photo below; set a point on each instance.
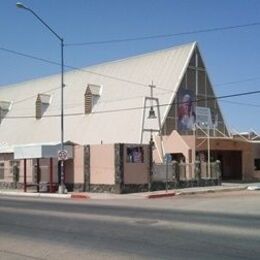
(41, 104)
(92, 94)
(5, 106)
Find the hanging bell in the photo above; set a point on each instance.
(151, 114)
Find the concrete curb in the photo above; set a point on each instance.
(161, 195)
(155, 195)
(35, 195)
(211, 190)
(80, 196)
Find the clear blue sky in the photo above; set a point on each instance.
(231, 55)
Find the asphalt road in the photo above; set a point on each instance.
(209, 226)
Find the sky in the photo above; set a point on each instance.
(231, 56)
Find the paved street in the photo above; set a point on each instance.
(223, 225)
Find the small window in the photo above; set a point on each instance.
(2, 170)
(135, 154)
(257, 164)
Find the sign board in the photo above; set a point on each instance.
(203, 117)
(167, 157)
(62, 155)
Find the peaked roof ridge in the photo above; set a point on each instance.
(94, 66)
(178, 82)
(175, 47)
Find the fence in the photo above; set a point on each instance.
(174, 171)
(9, 173)
(12, 175)
(163, 172)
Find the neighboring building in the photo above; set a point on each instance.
(104, 104)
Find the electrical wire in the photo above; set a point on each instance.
(77, 69)
(237, 81)
(158, 36)
(103, 75)
(141, 107)
(240, 103)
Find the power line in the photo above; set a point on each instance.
(240, 103)
(76, 68)
(149, 37)
(77, 104)
(237, 81)
(108, 76)
(103, 75)
(29, 56)
(141, 107)
(80, 69)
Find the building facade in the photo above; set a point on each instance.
(107, 105)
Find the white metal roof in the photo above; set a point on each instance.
(5, 105)
(117, 117)
(32, 151)
(45, 98)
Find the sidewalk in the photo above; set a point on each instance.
(141, 195)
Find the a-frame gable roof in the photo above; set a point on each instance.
(117, 115)
(203, 94)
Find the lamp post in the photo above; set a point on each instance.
(208, 133)
(206, 124)
(208, 145)
(20, 5)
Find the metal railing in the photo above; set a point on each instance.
(175, 171)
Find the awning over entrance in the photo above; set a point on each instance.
(34, 151)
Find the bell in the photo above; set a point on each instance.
(151, 114)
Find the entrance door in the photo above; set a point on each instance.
(231, 164)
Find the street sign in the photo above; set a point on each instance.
(62, 155)
(167, 157)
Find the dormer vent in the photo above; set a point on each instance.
(42, 103)
(5, 106)
(92, 95)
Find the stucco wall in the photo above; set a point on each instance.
(233, 145)
(175, 143)
(256, 155)
(136, 173)
(102, 164)
(5, 158)
(190, 140)
(78, 164)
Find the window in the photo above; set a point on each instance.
(135, 154)
(2, 170)
(257, 164)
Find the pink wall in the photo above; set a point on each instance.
(175, 143)
(5, 158)
(78, 164)
(256, 155)
(102, 164)
(136, 173)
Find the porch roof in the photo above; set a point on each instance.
(41, 150)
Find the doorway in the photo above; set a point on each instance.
(231, 164)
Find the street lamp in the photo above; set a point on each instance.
(20, 5)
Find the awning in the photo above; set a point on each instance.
(34, 151)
